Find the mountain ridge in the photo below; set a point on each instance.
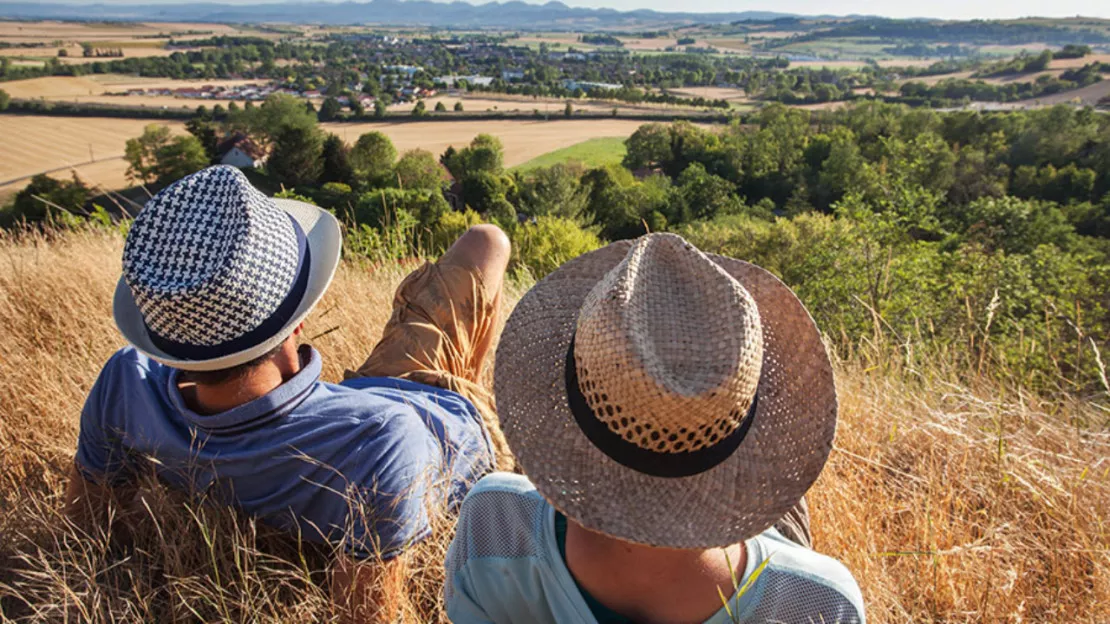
(511, 14)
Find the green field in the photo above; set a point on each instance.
(592, 153)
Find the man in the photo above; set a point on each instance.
(668, 407)
(214, 389)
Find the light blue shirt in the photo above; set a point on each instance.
(504, 566)
(351, 462)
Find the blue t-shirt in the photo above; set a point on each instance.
(354, 462)
(504, 566)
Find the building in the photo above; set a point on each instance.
(571, 85)
(240, 151)
(451, 81)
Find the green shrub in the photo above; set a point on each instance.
(544, 245)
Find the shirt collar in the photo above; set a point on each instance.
(278, 402)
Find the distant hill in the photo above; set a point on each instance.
(513, 14)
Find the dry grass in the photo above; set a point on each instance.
(948, 503)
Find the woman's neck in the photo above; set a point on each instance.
(653, 585)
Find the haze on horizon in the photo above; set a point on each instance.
(942, 9)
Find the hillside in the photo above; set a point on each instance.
(512, 14)
(948, 501)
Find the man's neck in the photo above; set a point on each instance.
(208, 399)
(650, 584)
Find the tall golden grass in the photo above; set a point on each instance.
(949, 503)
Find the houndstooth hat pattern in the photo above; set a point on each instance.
(210, 259)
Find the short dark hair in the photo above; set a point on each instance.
(226, 375)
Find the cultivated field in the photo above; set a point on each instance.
(591, 153)
(95, 89)
(99, 89)
(31, 145)
(523, 140)
(93, 32)
(713, 93)
(482, 102)
(948, 503)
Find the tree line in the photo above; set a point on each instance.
(983, 232)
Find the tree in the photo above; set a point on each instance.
(418, 169)
(37, 201)
(330, 109)
(63, 53)
(380, 109)
(440, 108)
(5, 99)
(485, 153)
(336, 157)
(458, 107)
(277, 113)
(141, 153)
(568, 110)
(372, 159)
(649, 146)
(620, 205)
(481, 191)
(420, 109)
(205, 132)
(702, 195)
(296, 157)
(183, 155)
(554, 191)
(387, 207)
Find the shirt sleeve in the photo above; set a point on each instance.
(101, 455)
(461, 605)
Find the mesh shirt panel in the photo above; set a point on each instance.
(499, 524)
(789, 598)
(504, 522)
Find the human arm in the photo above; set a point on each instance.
(100, 473)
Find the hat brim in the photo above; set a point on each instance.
(325, 242)
(782, 455)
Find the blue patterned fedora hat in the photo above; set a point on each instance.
(215, 273)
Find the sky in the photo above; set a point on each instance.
(944, 9)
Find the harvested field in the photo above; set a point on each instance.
(850, 64)
(31, 145)
(712, 93)
(95, 89)
(50, 31)
(523, 140)
(553, 106)
(1079, 62)
(648, 44)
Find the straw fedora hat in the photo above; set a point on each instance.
(664, 396)
(216, 274)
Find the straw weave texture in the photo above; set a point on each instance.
(671, 341)
(669, 348)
